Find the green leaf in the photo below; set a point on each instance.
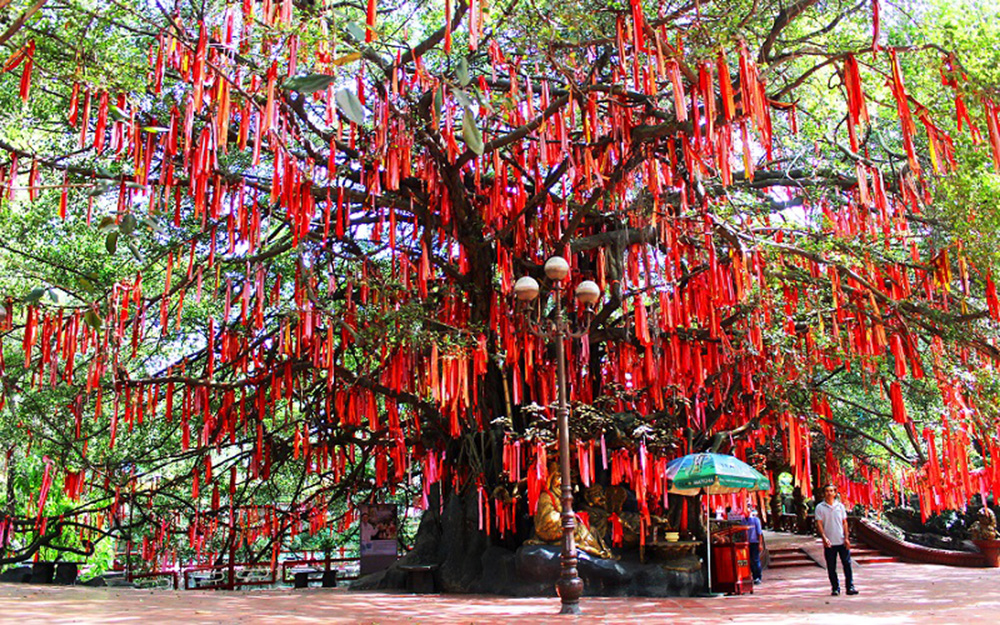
(55, 296)
(132, 247)
(111, 243)
(107, 224)
(35, 295)
(155, 129)
(470, 132)
(93, 320)
(438, 101)
(309, 84)
(356, 31)
(462, 97)
(350, 105)
(117, 113)
(86, 285)
(462, 71)
(347, 58)
(152, 224)
(128, 224)
(483, 100)
(100, 189)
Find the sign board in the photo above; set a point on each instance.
(379, 526)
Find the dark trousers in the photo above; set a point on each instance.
(755, 560)
(831, 553)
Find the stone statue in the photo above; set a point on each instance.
(985, 527)
(548, 524)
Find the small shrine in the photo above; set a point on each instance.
(622, 549)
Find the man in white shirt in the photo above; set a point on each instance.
(831, 521)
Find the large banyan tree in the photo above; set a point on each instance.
(258, 258)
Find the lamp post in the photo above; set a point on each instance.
(526, 289)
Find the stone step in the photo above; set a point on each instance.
(781, 557)
(789, 558)
(855, 548)
(863, 553)
(788, 565)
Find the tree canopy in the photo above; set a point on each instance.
(258, 257)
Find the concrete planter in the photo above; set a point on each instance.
(43, 572)
(66, 573)
(990, 550)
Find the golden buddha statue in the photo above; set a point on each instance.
(548, 522)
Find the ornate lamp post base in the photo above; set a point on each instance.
(570, 590)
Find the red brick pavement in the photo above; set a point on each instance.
(890, 594)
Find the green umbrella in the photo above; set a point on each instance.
(713, 474)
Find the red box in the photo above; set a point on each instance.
(731, 568)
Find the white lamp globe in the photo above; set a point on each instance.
(556, 268)
(587, 292)
(526, 289)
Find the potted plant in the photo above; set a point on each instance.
(327, 544)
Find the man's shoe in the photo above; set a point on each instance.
(851, 590)
(756, 581)
(835, 592)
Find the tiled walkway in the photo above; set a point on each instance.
(890, 593)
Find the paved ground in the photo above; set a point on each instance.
(890, 593)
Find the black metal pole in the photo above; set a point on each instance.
(569, 586)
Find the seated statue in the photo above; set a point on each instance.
(614, 526)
(597, 511)
(548, 523)
(631, 523)
(985, 527)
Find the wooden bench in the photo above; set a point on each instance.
(419, 577)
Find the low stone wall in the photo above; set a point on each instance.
(532, 571)
(912, 552)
